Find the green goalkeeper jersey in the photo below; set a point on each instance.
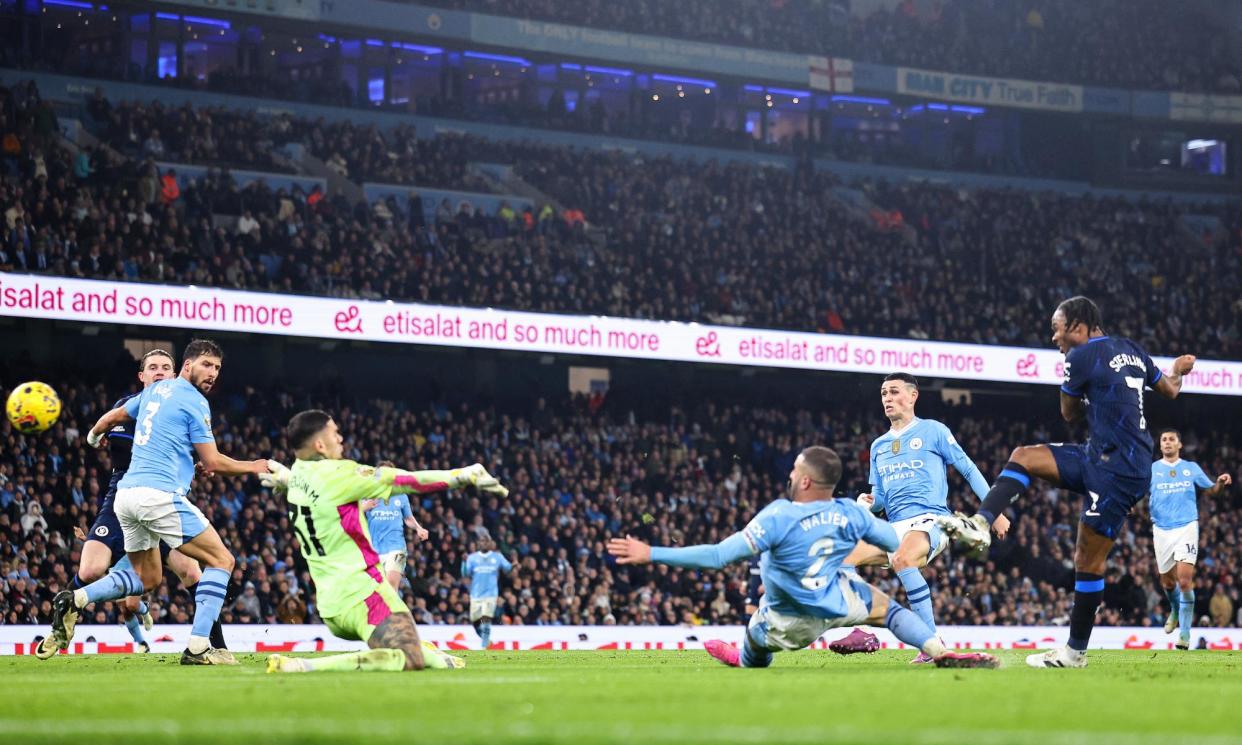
(336, 542)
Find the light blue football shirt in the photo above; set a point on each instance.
(909, 470)
(1174, 500)
(171, 416)
(483, 568)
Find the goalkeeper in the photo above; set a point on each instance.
(323, 490)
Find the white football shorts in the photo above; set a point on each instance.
(778, 631)
(1179, 544)
(148, 516)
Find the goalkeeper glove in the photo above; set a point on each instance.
(478, 477)
(278, 478)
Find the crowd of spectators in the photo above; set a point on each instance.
(1143, 44)
(579, 473)
(672, 239)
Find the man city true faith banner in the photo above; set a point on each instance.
(976, 89)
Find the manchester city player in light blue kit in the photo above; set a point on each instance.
(387, 521)
(1175, 528)
(483, 568)
(909, 470)
(173, 423)
(804, 541)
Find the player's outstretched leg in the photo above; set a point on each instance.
(1173, 593)
(723, 651)
(910, 629)
(752, 653)
(1090, 556)
(1186, 616)
(207, 549)
(133, 612)
(1025, 463)
(394, 643)
(68, 604)
(859, 641)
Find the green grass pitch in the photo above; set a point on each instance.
(637, 698)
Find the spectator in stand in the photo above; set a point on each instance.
(579, 477)
(670, 239)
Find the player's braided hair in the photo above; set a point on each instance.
(1080, 309)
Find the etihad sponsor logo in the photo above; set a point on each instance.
(889, 469)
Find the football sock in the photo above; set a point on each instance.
(1088, 592)
(753, 655)
(143, 608)
(217, 636)
(918, 595)
(115, 584)
(208, 600)
(1174, 595)
(1186, 613)
(134, 625)
(1013, 480)
(910, 629)
(76, 583)
(370, 661)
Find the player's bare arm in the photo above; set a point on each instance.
(1073, 408)
(1170, 385)
(1222, 482)
(216, 462)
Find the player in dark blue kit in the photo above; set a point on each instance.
(1104, 381)
(103, 546)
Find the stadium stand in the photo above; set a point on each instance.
(1056, 40)
(678, 239)
(581, 471)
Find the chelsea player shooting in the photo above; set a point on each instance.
(803, 541)
(1104, 381)
(1175, 528)
(909, 470)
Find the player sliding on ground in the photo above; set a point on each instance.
(1104, 381)
(354, 600)
(803, 541)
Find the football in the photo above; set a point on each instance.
(33, 407)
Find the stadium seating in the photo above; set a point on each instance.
(681, 240)
(579, 473)
(1118, 43)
